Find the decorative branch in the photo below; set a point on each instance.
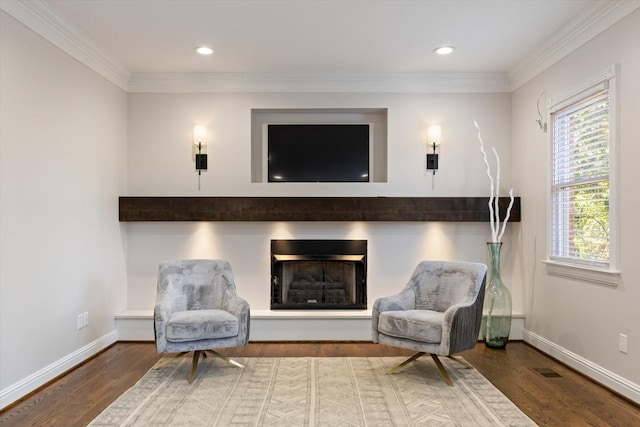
(497, 232)
(506, 218)
(486, 162)
(496, 209)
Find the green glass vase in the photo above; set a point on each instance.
(496, 312)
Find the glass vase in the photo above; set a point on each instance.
(496, 312)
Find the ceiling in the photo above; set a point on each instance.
(318, 45)
(319, 36)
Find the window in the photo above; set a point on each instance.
(580, 188)
(582, 207)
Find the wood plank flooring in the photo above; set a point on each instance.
(547, 391)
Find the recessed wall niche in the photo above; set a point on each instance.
(375, 117)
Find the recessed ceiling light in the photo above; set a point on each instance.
(443, 50)
(204, 50)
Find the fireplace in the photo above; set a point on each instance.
(318, 274)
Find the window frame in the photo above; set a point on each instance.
(584, 271)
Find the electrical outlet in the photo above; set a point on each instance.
(623, 343)
(85, 318)
(80, 321)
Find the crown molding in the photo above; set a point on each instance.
(46, 22)
(320, 82)
(582, 29)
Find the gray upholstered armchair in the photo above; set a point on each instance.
(438, 312)
(197, 309)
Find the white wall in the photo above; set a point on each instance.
(582, 318)
(160, 163)
(62, 167)
(161, 127)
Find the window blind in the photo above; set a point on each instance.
(580, 181)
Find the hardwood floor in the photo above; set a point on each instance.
(548, 392)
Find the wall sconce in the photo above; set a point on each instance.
(433, 143)
(200, 142)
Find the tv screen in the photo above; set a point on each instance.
(318, 153)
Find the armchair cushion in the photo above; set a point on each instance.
(417, 325)
(194, 325)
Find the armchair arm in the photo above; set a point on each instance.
(239, 307)
(461, 324)
(161, 314)
(405, 300)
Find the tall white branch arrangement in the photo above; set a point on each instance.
(497, 229)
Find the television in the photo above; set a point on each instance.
(318, 152)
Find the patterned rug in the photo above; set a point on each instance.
(311, 391)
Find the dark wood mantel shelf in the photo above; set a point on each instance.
(462, 209)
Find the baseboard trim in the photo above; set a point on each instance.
(25, 386)
(597, 373)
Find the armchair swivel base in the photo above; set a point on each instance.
(196, 358)
(435, 358)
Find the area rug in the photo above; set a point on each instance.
(311, 391)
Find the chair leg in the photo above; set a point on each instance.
(442, 370)
(405, 363)
(194, 365)
(461, 362)
(225, 358)
(166, 360)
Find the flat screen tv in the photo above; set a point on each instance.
(318, 153)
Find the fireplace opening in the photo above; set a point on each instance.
(318, 274)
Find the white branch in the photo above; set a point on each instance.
(506, 218)
(494, 199)
(496, 209)
(486, 162)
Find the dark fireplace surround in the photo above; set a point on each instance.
(318, 274)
